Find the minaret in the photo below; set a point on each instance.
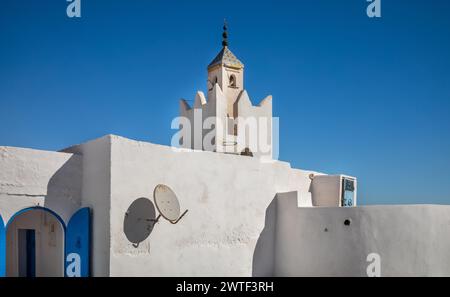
(228, 72)
(227, 122)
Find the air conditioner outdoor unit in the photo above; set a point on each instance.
(333, 190)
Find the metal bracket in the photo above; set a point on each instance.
(177, 220)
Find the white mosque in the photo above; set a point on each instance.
(220, 204)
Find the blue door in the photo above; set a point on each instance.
(78, 244)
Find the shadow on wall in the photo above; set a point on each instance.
(263, 256)
(64, 188)
(139, 220)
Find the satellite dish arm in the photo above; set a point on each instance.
(177, 220)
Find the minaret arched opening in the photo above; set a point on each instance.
(232, 81)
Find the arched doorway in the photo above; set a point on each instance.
(35, 243)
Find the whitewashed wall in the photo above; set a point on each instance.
(235, 226)
(96, 180)
(227, 196)
(411, 240)
(31, 177)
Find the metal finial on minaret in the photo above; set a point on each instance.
(225, 34)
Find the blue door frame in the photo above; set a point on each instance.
(2, 248)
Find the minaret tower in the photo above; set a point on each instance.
(227, 71)
(226, 121)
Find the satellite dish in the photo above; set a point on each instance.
(167, 204)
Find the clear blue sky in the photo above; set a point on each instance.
(365, 97)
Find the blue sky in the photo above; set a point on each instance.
(365, 97)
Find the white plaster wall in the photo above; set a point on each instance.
(227, 197)
(412, 240)
(258, 140)
(31, 177)
(214, 107)
(249, 122)
(234, 226)
(96, 155)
